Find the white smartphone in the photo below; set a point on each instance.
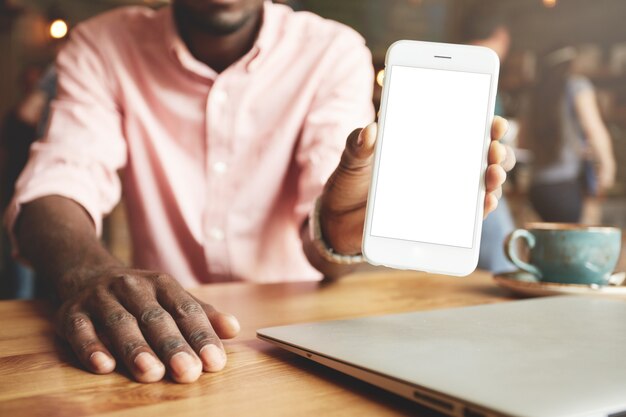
(425, 204)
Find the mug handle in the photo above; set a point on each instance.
(511, 252)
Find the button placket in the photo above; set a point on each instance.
(215, 246)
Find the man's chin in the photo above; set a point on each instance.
(219, 25)
(223, 2)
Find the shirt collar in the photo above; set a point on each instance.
(178, 49)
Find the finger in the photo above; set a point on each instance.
(77, 328)
(494, 177)
(510, 160)
(499, 127)
(126, 338)
(491, 202)
(497, 193)
(226, 325)
(195, 326)
(497, 153)
(137, 295)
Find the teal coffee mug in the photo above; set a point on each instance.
(567, 253)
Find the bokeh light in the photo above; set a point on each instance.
(58, 29)
(549, 3)
(380, 77)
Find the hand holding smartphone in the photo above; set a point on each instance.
(425, 204)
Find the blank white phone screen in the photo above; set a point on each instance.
(431, 156)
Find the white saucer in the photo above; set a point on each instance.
(524, 283)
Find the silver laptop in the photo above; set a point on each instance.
(552, 357)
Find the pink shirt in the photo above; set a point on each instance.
(218, 171)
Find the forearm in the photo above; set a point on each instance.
(57, 237)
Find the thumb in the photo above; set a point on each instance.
(343, 201)
(359, 148)
(348, 186)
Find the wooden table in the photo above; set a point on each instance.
(40, 377)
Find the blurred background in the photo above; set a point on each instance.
(539, 36)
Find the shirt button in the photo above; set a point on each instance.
(219, 96)
(216, 234)
(220, 167)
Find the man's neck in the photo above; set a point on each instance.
(218, 52)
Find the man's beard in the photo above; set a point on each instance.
(216, 24)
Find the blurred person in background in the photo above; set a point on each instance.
(21, 128)
(486, 26)
(228, 120)
(571, 146)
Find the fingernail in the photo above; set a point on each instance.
(101, 362)
(146, 363)
(182, 364)
(360, 139)
(213, 358)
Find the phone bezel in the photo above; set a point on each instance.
(435, 258)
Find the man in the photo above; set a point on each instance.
(487, 26)
(227, 118)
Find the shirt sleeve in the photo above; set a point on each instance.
(342, 104)
(83, 147)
